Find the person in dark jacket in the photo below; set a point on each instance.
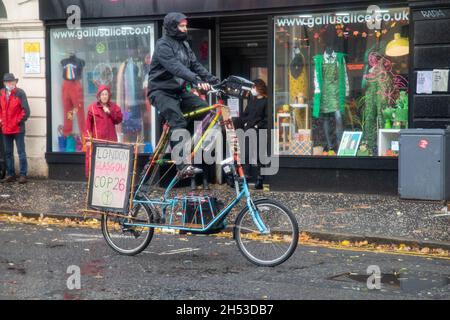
(255, 117)
(14, 111)
(173, 67)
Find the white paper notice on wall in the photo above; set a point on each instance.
(233, 104)
(32, 57)
(424, 82)
(440, 80)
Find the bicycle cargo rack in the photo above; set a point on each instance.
(193, 212)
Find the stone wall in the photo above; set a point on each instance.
(23, 25)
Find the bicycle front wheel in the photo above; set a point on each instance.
(125, 239)
(274, 247)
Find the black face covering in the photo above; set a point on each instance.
(171, 22)
(181, 36)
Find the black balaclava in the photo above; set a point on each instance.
(171, 22)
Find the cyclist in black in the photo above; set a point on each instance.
(173, 67)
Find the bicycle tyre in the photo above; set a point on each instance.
(143, 243)
(249, 237)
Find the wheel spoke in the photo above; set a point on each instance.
(127, 239)
(272, 248)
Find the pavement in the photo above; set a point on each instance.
(327, 216)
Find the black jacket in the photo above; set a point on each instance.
(255, 114)
(173, 62)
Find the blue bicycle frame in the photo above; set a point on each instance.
(170, 203)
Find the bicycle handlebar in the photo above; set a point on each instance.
(232, 86)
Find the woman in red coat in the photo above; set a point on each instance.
(102, 118)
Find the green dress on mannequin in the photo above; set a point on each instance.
(376, 99)
(330, 83)
(331, 86)
(330, 89)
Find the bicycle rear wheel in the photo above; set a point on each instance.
(278, 244)
(128, 240)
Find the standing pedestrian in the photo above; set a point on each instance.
(14, 111)
(102, 118)
(255, 117)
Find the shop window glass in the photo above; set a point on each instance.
(199, 41)
(81, 60)
(340, 82)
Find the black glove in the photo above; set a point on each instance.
(212, 80)
(201, 84)
(197, 81)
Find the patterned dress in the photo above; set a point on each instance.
(330, 88)
(378, 84)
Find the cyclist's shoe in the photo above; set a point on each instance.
(189, 171)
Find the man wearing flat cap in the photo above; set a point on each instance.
(14, 111)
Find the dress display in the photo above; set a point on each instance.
(378, 84)
(298, 87)
(331, 87)
(72, 93)
(128, 93)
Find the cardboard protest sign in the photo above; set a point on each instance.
(110, 177)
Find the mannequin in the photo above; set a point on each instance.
(331, 87)
(72, 92)
(298, 86)
(379, 86)
(128, 93)
(147, 112)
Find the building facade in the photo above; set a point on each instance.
(342, 77)
(22, 38)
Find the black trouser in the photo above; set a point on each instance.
(172, 106)
(238, 124)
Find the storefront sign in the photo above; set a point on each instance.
(371, 20)
(32, 57)
(431, 14)
(109, 185)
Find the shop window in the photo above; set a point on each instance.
(341, 82)
(199, 40)
(81, 60)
